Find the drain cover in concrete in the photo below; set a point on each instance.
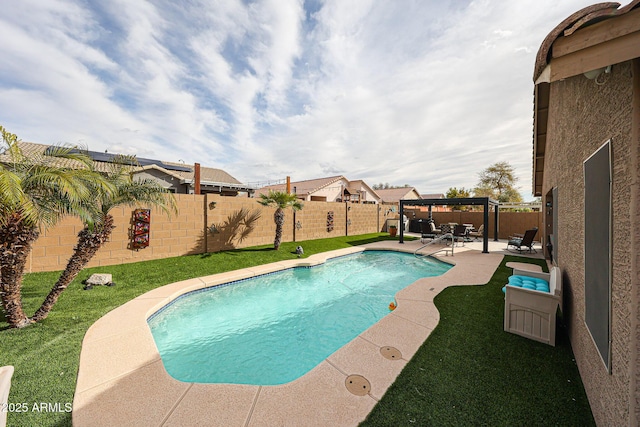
(358, 385)
(391, 353)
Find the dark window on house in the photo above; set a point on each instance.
(597, 249)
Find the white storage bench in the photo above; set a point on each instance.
(529, 309)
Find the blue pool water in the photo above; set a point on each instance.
(275, 328)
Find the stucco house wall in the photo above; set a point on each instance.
(587, 94)
(167, 181)
(332, 192)
(583, 115)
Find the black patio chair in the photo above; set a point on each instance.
(525, 242)
(428, 230)
(460, 233)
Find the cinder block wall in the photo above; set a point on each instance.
(312, 222)
(583, 116)
(189, 232)
(177, 235)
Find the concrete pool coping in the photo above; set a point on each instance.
(121, 379)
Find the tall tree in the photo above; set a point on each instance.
(35, 193)
(128, 192)
(458, 193)
(498, 182)
(454, 192)
(281, 200)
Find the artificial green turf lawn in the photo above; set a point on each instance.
(46, 355)
(470, 372)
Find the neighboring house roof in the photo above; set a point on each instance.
(207, 175)
(308, 187)
(392, 195)
(432, 196)
(185, 173)
(303, 188)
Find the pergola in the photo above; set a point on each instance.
(458, 201)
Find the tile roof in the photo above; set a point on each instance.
(394, 194)
(302, 188)
(207, 175)
(432, 196)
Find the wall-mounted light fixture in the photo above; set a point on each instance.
(593, 74)
(298, 225)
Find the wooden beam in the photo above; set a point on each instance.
(611, 52)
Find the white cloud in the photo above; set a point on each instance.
(425, 93)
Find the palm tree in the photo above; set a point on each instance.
(35, 193)
(129, 192)
(281, 200)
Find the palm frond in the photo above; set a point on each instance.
(280, 199)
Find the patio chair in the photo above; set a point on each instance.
(525, 242)
(6, 372)
(459, 233)
(429, 231)
(478, 234)
(446, 229)
(426, 232)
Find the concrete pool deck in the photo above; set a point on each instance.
(122, 381)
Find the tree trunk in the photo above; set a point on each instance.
(15, 245)
(89, 242)
(278, 217)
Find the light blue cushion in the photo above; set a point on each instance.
(532, 283)
(515, 280)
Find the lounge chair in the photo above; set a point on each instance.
(6, 372)
(525, 242)
(477, 234)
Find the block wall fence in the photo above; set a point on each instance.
(190, 231)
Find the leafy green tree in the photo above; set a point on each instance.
(281, 200)
(454, 192)
(35, 193)
(127, 191)
(498, 182)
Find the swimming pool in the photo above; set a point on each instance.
(274, 328)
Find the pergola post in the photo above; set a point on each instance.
(495, 225)
(485, 231)
(401, 221)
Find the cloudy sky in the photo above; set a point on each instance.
(419, 92)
